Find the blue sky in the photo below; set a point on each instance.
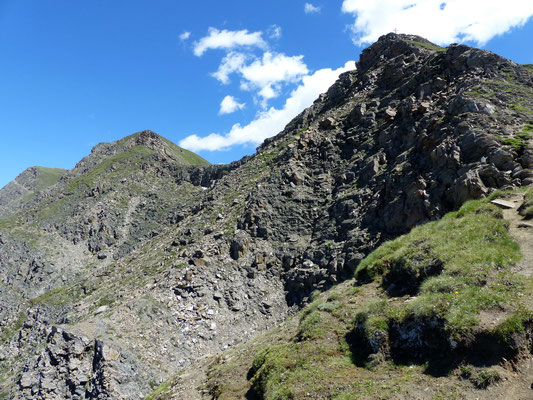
(73, 73)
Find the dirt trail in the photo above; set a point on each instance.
(522, 232)
(517, 384)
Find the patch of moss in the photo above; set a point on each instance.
(485, 378)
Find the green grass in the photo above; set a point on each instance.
(515, 323)
(189, 157)
(427, 45)
(7, 331)
(526, 210)
(520, 108)
(48, 177)
(485, 378)
(517, 142)
(455, 268)
(163, 388)
(63, 295)
(528, 128)
(121, 162)
(473, 250)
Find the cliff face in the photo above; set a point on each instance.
(143, 258)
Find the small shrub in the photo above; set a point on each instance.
(485, 378)
(466, 371)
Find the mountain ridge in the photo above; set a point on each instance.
(129, 270)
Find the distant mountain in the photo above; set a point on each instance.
(15, 194)
(144, 259)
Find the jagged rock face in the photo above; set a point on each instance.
(74, 367)
(400, 141)
(170, 259)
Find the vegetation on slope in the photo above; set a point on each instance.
(527, 207)
(48, 177)
(456, 267)
(181, 155)
(416, 312)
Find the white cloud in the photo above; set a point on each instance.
(274, 32)
(230, 104)
(231, 63)
(274, 68)
(311, 9)
(225, 39)
(266, 75)
(267, 93)
(185, 35)
(441, 21)
(270, 122)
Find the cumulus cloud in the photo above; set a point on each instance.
(270, 122)
(224, 39)
(272, 70)
(441, 21)
(231, 63)
(266, 75)
(185, 35)
(230, 104)
(311, 9)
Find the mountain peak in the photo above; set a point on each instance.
(392, 45)
(146, 141)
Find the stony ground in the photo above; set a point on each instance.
(318, 355)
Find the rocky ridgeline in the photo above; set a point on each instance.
(400, 141)
(162, 259)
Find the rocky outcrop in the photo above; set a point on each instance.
(145, 249)
(74, 367)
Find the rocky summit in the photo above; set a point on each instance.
(377, 247)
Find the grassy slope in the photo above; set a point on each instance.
(185, 156)
(455, 270)
(48, 177)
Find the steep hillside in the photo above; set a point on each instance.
(143, 259)
(15, 194)
(446, 314)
